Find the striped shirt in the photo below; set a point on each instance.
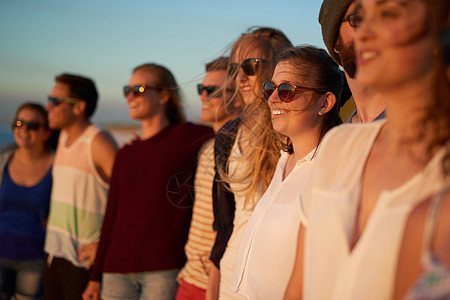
(201, 235)
(78, 198)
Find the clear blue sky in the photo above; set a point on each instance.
(105, 40)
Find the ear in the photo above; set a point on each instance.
(79, 108)
(328, 101)
(164, 97)
(336, 49)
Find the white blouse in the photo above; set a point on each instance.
(267, 249)
(332, 270)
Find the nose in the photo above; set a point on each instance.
(49, 106)
(274, 97)
(364, 31)
(242, 76)
(204, 96)
(129, 97)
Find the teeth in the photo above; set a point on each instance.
(367, 55)
(278, 112)
(246, 88)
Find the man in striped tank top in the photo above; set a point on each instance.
(82, 167)
(216, 110)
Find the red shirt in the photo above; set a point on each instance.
(150, 202)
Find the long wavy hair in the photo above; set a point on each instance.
(437, 117)
(257, 163)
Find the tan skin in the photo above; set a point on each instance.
(72, 119)
(369, 103)
(409, 267)
(31, 160)
(389, 150)
(407, 92)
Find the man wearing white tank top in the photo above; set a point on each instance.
(83, 164)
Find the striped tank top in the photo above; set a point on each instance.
(78, 199)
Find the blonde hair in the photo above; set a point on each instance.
(258, 162)
(164, 79)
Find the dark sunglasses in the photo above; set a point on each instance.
(210, 89)
(27, 125)
(353, 19)
(138, 90)
(286, 91)
(56, 101)
(249, 66)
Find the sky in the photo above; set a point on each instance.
(105, 40)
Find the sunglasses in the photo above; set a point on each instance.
(138, 90)
(56, 101)
(210, 89)
(286, 91)
(353, 19)
(27, 125)
(249, 66)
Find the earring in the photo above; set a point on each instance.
(321, 113)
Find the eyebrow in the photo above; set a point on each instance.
(400, 2)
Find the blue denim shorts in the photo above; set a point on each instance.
(23, 278)
(158, 285)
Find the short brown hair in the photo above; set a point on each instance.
(81, 88)
(219, 64)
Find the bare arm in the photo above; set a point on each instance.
(104, 151)
(212, 292)
(294, 289)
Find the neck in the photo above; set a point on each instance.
(406, 106)
(75, 130)
(30, 154)
(303, 144)
(153, 126)
(217, 125)
(369, 104)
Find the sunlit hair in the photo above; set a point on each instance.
(81, 88)
(164, 79)
(437, 118)
(319, 71)
(219, 64)
(257, 163)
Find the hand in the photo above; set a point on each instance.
(87, 254)
(212, 292)
(135, 137)
(206, 264)
(92, 291)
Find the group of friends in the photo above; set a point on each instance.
(276, 199)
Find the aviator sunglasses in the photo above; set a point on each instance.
(210, 89)
(56, 101)
(27, 125)
(286, 91)
(138, 90)
(249, 66)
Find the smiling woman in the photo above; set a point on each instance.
(25, 185)
(141, 247)
(303, 96)
(377, 206)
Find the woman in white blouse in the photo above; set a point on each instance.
(303, 96)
